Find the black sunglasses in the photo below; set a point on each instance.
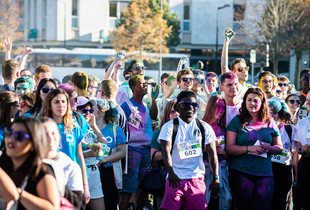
(293, 101)
(306, 78)
(187, 104)
(46, 90)
(240, 69)
(138, 68)
(186, 79)
(87, 110)
(18, 135)
(127, 77)
(153, 84)
(282, 84)
(278, 91)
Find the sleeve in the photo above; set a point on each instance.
(75, 180)
(276, 131)
(126, 109)
(296, 135)
(120, 136)
(78, 134)
(154, 142)
(234, 125)
(74, 197)
(166, 132)
(209, 133)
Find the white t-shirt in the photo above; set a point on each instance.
(67, 172)
(90, 138)
(232, 111)
(191, 167)
(287, 147)
(302, 131)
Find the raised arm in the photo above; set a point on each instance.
(27, 51)
(119, 56)
(229, 34)
(8, 48)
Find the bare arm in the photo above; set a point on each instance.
(174, 180)
(212, 154)
(48, 195)
(120, 154)
(229, 34)
(8, 190)
(23, 58)
(158, 156)
(276, 146)
(8, 48)
(154, 109)
(84, 175)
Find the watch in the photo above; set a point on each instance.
(216, 177)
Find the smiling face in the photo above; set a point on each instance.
(87, 115)
(220, 109)
(253, 103)
(267, 84)
(186, 110)
(293, 103)
(16, 149)
(188, 84)
(59, 106)
(212, 83)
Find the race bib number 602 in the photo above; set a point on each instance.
(189, 150)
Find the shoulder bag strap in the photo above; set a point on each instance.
(202, 130)
(175, 131)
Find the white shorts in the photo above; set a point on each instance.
(94, 182)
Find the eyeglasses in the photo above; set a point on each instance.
(153, 84)
(282, 84)
(240, 69)
(127, 77)
(294, 101)
(18, 135)
(211, 74)
(138, 68)
(96, 87)
(22, 105)
(187, 104)
(186, 79)
(87, 110)
(46, 90)
(306, 78)
(267, 81)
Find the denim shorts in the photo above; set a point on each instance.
(137, 160)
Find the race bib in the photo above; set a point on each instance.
(134, 120)
(281, 158)
(189, 149)
(303, 112)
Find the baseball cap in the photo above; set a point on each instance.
(81, 100)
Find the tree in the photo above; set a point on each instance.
(139, 30)
(10, 20)
(282, 25)
(172, 20)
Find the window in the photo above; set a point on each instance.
(113, 9)
(186, 18)
(75, 21)
(239, 12)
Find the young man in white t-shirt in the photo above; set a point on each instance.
(230, 88)
(185, 187)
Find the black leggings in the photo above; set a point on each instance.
(109, 188)
(283, 180)
(251, 192)
(304, 181)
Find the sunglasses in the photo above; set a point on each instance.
(283, 84)
(18, 135)
(96, 87)
(22, 105)
(240, 69)
(153, 84)
(294, 101)
(306, 78)
(46, 90)
(127, 77)
(138, 68)
(186, 79)
(187, 104)
(200, 81)
(278, 91)
(273, 113)
(87, 110)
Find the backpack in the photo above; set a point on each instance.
(176, 127)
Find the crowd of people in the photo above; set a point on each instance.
(85, 143)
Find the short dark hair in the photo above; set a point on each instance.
(41, 69)
(236, 61)
(228, 75)
(80, 79)
(9, 69)
(184, 94)
(131, 63)
(133, 80)
(184, 72)
(165, 75)
(304, 71)
(66, 78)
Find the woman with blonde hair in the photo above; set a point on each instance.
(57, 106)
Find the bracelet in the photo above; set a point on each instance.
(20, 194)
(247, 149)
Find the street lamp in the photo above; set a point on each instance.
(217, 31)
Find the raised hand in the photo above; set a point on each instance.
(27, 51)
(229, 34)
(8, 44)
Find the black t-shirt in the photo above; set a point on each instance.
(32, 183)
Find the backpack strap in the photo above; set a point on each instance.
(175, 131)
(289, 131)
(202, 130)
